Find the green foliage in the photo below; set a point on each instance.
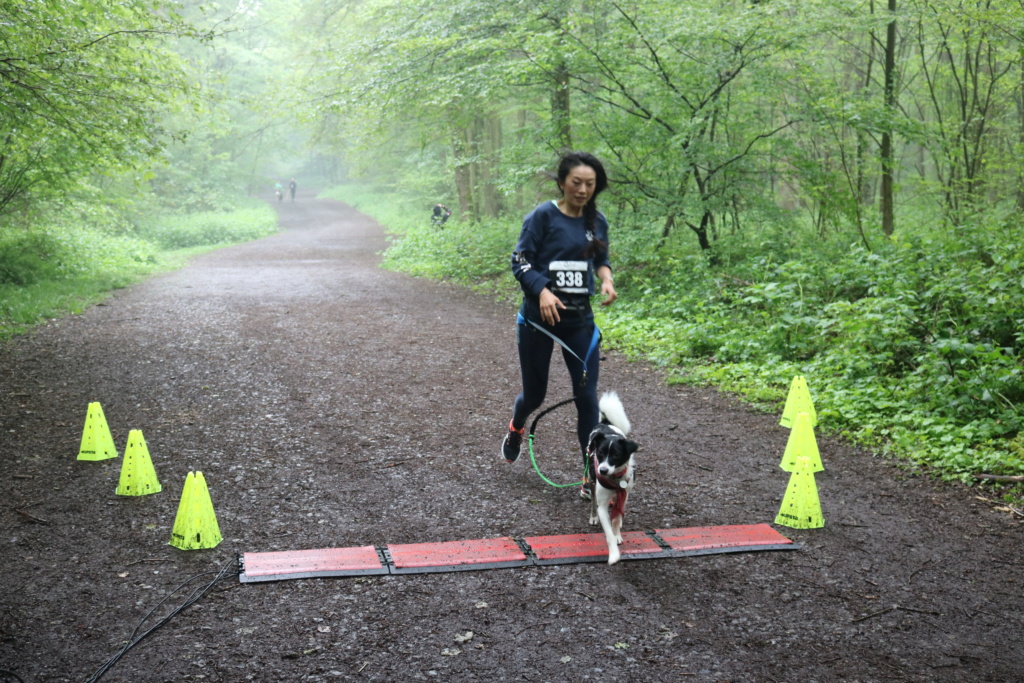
(62, 252)
(81, 88)
(46, 272)
(239, 135)
(704, 111)
(23, 258)
(461, 251)
(212, 227)
(916, 348)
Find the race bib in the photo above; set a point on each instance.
(569, 277)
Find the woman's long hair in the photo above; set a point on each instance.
(571, 161)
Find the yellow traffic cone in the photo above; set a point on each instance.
(802, 444)
(195, 526)
(138, 477)
(97, 443)
(801, 508)
(798, 401)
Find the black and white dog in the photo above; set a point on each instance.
(611, 470)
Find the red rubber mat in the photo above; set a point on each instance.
(590, 548)
(718, 539)
(493, 553)
(489, 553)
(300, 564)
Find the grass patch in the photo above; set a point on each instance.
(211, 227)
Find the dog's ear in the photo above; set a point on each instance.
(631, 446)
(596, 438)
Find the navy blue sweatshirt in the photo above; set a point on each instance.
(550, 254)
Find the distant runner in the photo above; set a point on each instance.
(441, 213)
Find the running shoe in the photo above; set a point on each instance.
(512, 444)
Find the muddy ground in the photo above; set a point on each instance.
(332, 404)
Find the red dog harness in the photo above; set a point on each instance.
(617, 507)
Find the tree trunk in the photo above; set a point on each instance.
(888, 213)
(491, 127)
(702, 231)
(864, 187)
(462, 180)
(666, 229)
(561, 119)
(473, 169)
(520, 199)
(1020, 139)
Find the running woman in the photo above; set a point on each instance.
(562, 246)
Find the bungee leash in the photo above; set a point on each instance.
(595, 340)
(533, 458)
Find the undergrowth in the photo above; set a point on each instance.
(211, 227)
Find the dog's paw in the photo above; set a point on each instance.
(594, 521)
(618, 539)
(613, 555)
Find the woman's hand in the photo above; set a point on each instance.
(607, 286)
(549, 305)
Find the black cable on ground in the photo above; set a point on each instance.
(229, 569)
(5, 672)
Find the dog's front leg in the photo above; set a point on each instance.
(609, 536)
(617, 529)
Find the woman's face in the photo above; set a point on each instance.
(578, 187)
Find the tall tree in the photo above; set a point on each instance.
(658, 77)
(888, 162)
(963, 61)
(81, 88)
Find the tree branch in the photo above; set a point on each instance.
(998, 477)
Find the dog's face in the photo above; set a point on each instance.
(611, 449)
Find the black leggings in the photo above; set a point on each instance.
(535, 349)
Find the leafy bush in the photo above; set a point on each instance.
(461, 251)
(60, 252)
(24, 258)
(915, 348)
(212, 227)
(45, 272)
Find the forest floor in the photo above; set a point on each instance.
(330, 403)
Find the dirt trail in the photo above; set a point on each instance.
(331, 404)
